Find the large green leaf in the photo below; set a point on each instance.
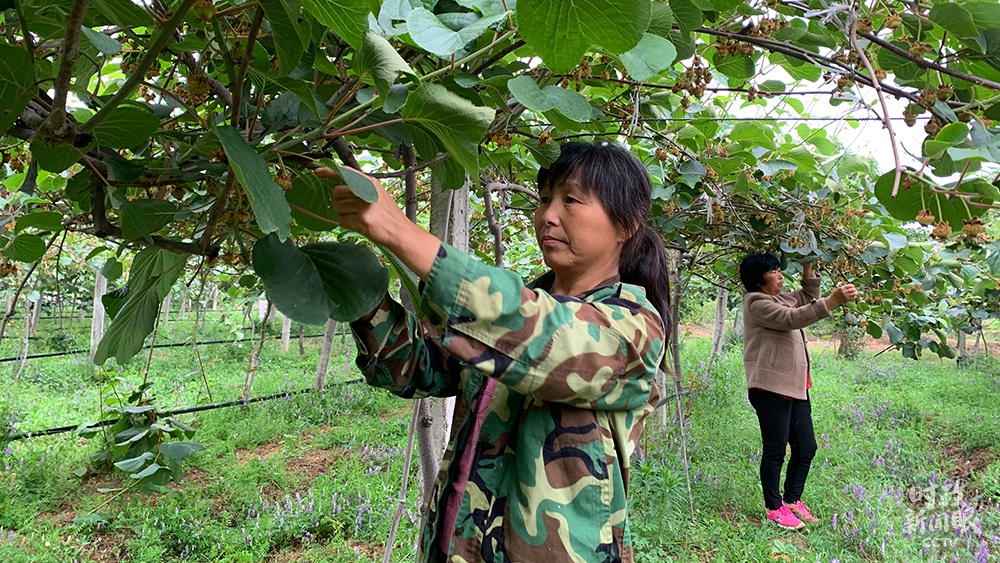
(570, 103)
(954, 18)
(376, 62)
(917, 195)
(141, 218)
(40, 220)
(24, 248)
(321, 281)
(738, 67)
(346, 18)
(54, 158)
(314, 195)
(153, 272)
(687, 15)
(455, 121)
(268, 200)
(432, 35)
(16, 77)
(360, 185)
(661, 20)
(177, 451)
(106, 45)
(123, 13)
(126, 126)
(283, 15)
(652, 55)
(562, 31)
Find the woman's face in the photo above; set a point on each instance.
(576, 234)
(773, 282)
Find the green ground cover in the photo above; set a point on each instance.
(315, 477)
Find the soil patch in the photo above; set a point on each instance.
(965, 464)
(109, 547)
(261, 452)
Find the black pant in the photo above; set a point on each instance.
(783, 421)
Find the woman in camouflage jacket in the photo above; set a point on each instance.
(553, 380)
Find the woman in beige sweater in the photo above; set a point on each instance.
(776, 361)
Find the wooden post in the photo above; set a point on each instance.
(97, 322)
(323, 364)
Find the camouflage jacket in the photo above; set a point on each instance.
(551, 396)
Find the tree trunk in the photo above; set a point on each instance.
(302, 341)
(721, 310)
(97, 322)
(323, 364)
(286, 332)
(255, 357)
(450, 223)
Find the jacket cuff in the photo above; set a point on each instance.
(440, 292)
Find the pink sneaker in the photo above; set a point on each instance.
(784, 518)
(802, 511)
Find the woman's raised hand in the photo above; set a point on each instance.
(383, 223)
(377, 221)
(841, 295)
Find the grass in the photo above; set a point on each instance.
(314, 477)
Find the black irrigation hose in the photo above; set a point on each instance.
(103, 423)
(168, 345)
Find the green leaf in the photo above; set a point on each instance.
(346, 18)
(993, 259)
(153, 272)
(320, 281)
(78, 189)
(54, 158)
(177, 451)
(283, 16)
(652, 55)
(874, 330)
(359, 184)
(918, 196)
(661, 20)
(954, 18)
(431, 35)
(545, 154)
(40, 220)
(103, 43)
(772, 167)
(135, 463)
(528, 94)
(853, 164)
(562, 31)
(24, 248)
(112, 270)
(140, 218)
(687, 15)
(123, 13)
(772, 86)
(151, 470)
(126, 126)
(268, 200)
(571, 104)
(953, 133)
(895, 240)
(737, 67)
(376, 62)
(314, 195)
(455, 121)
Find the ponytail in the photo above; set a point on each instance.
(643, 262)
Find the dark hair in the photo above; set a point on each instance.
(621, 182)
(753, 268)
